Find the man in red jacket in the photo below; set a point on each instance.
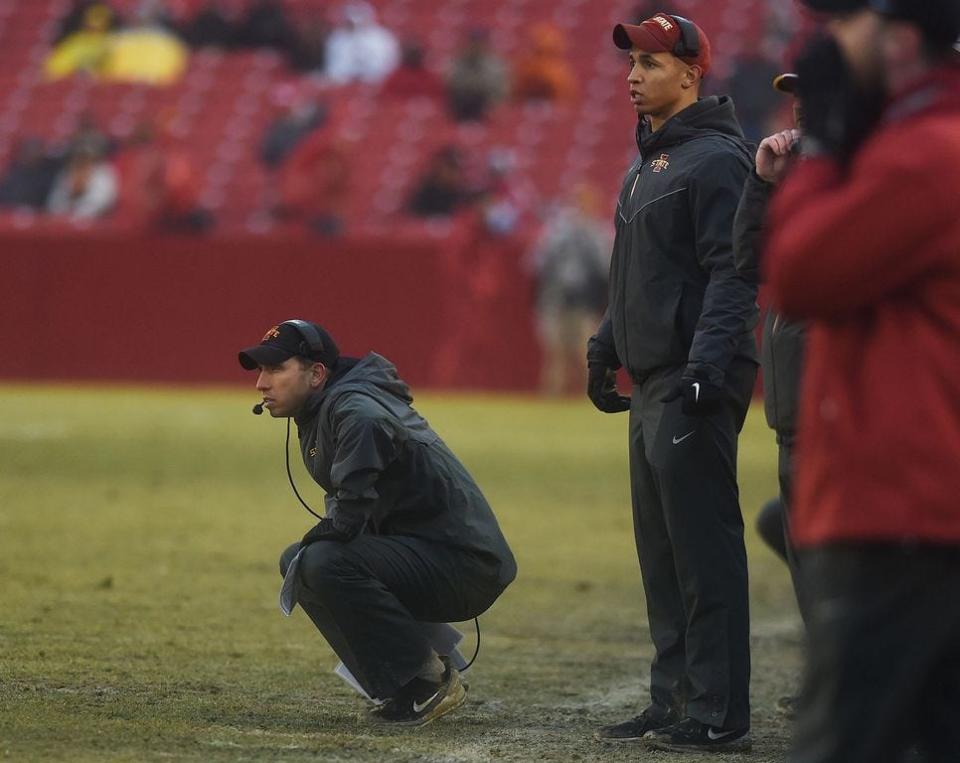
(864, 243)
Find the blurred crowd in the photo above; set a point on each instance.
(145, 179)
(142, 176)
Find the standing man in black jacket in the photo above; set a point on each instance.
(408, 538)
(680, 322)
(782, 345)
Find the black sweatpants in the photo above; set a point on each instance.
(883, 663)
(689, 535)
(367, 597)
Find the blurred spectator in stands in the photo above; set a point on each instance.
(360, 49)
(87, 136)
(442, 190)
(543, 73)
(84, 51)
(412, 79)
(750, 89)
(210, 27)
(571, 261)
(148, 50)
(477, 79)
(502, 200)
(265, 25)
(75, 20)
(313, 184)
(309, 51)
(155, 13)
(29, 178)
(86, 188)
(301, 114)
(159, 188)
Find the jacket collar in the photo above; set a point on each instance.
(309, 411)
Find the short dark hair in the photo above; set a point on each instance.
(306, 362)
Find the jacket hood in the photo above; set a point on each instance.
(712, 115)
(371, 373)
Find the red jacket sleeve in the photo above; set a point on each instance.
(838, 242)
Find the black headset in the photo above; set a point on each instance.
(688, 46)
(312, 343)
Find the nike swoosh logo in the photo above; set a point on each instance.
(417, 707)
(678, 440)
(696, 392)
(714, 736)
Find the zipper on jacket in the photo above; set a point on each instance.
(623, 279)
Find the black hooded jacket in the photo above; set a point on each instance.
(676, 298)
(783, 342)
(385, 469)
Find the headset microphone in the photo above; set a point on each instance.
(258, 409)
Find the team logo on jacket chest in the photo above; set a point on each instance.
(659, 165)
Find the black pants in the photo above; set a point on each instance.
(883, 669)
(367, 596)
(689, 535)
(786, 472)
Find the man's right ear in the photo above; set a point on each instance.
(319, 375)
(692, 76)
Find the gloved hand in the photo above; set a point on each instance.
(602, 389)
(838, 111)
(700, 397)
(326, 530)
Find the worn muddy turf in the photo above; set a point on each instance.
(139, 537)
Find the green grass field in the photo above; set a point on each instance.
(139, 537)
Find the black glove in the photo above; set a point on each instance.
(602, 389)
(325, 529)
(838, 112)
(700, 397)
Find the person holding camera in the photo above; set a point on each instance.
(864, 245)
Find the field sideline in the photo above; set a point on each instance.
(139, 535)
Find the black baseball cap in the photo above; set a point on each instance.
(290, 339)
(939, 20)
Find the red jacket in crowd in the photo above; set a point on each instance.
(871, 257)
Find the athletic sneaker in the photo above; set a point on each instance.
(420, 701)
(654, 717)
(690, 735)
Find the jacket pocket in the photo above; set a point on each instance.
(651, 322)
(687, 316)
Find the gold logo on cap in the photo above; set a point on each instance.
(273, 333)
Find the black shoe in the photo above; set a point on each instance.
(690, 735)
(420, 701)
(654, 717)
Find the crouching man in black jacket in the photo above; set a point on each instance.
(680, 322)
(407, 538)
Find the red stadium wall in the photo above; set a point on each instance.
(451, 313)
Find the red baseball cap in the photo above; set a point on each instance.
(664, 33)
